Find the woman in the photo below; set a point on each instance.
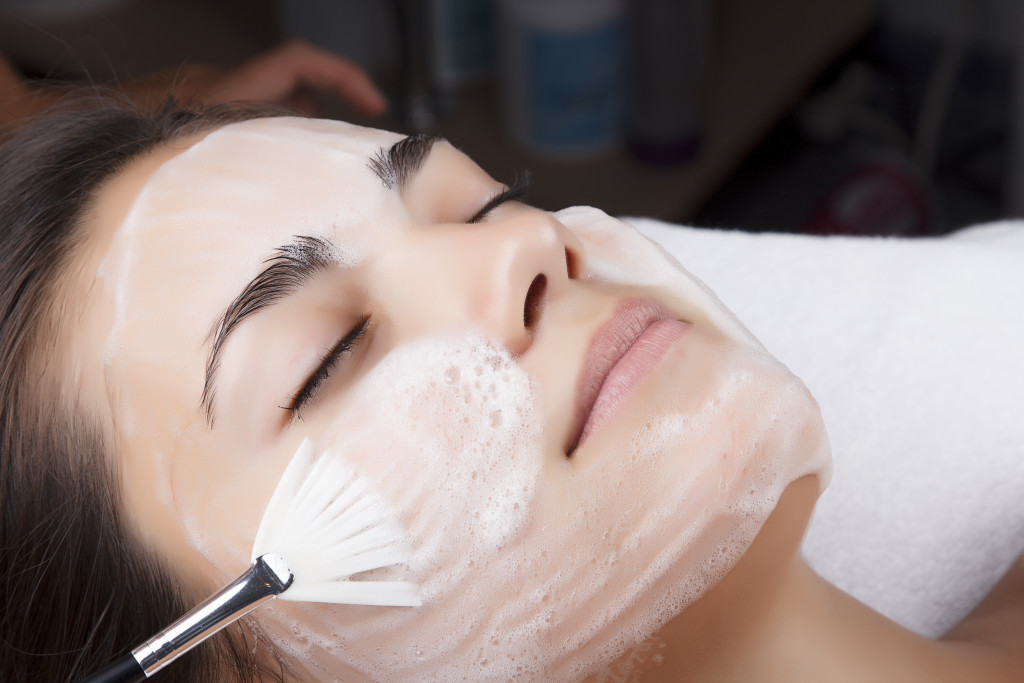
(602, 473)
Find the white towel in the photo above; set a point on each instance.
(915, 351)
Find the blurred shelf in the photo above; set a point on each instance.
(767, 53)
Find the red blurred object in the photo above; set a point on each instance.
(878, 197)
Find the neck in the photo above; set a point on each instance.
(777, 621)
(816, 632)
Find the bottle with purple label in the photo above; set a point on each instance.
(667, 58)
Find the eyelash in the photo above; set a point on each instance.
(323, 371)
(516, 191)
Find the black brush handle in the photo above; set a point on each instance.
(124, 670)
(265, 578)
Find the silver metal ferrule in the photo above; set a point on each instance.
(265, 579)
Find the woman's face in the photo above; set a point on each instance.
(577, 438)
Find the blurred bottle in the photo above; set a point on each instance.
(417, 98)
(359, 29)
(446, 44)
(462, 42)
(561, 65)
(668, 50)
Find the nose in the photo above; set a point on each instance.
(497, 276)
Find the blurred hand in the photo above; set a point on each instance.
(290, 74)
(286, 76)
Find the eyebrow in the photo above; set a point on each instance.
(288, 269)
(397, 165)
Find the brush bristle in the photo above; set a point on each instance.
(329, 524)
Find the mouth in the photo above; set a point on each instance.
(623, 351)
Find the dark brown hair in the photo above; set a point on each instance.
(77, 589)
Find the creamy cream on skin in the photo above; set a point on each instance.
(171, 269)
(549, 578)
(532, 564)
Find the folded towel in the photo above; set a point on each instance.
(915, 351)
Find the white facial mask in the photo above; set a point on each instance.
(531, 565)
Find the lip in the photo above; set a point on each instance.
(622, 352)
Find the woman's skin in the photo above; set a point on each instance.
(202, 444)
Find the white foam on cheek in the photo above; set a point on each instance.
(448, 431)
(549, 571)
(458, 441)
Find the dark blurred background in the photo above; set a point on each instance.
(847, 116)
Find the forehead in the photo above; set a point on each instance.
(206, 219)
(248, 149)
(246, 189)
(267, 175)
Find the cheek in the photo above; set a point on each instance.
(219, 494)
(448, 430)
(196, 497)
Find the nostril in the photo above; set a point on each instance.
(534, 301)
(572, 264)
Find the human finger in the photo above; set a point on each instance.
(278, 75)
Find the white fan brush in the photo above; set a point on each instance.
(323, 525)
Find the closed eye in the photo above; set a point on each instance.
(311, 387)
(517, 190)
